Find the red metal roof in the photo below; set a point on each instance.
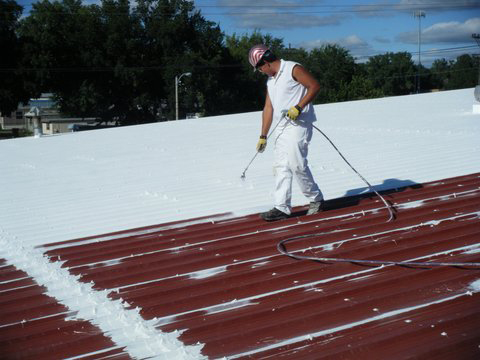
(34, 325)
(224, 284)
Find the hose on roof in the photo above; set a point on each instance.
(281, 246)
(387, 205)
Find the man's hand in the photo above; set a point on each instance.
(294, 112)
(262, 143)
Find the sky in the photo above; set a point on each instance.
(364, 27)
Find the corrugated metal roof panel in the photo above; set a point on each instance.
(223, 283)
(34, 325)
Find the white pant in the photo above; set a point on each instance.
(291, 149)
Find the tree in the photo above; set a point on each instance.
(62, 45)
(392, 73)
(120, 63)
(177, 39)
(360, 88)
(441, 72)
(246, 86)
(12, 86)
(333, 67)
(425, 77)
(464, 72)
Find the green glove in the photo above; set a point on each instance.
(294, 112)
(262, 143)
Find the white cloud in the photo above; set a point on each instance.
(440, 5)
(285, 21)
(382, 40)
(277, 14)
(385, 8)
(382, 9)
(444, 33)
(353, 43)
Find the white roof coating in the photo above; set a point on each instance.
(73, 185)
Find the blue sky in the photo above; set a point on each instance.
(364, 27)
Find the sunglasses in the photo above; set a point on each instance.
(260, 64)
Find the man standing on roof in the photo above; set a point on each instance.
(292, 88)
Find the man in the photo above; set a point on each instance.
(292, 88)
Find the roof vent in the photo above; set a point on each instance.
(35, 114)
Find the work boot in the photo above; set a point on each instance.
(315, 207)
(273, 215)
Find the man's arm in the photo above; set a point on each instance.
(267, 116)
(301, 75)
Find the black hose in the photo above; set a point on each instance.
(416, 264)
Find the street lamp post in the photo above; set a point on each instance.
(177, 79)
(419, 14)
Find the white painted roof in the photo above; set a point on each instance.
(79, 184)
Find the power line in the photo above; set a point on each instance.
(94, 69)
(358, 8)
(329, 8)
(160, 67)
(333, 5)
(452, 49)
(426, 52)
(428, 73)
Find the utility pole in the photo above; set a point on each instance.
(477, 88)
(477, 39)
(419, 14)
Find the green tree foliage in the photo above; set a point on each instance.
(425, 77)
(209, 61)
(118, 63)
(360, 88)
(392, 73)
(180, 40)
(458, 74)
(12, 84)
(464, 73)
(441, 71)
(62, 44)
(247, 86)
(333, 67)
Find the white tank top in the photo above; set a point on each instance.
(285, 92)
